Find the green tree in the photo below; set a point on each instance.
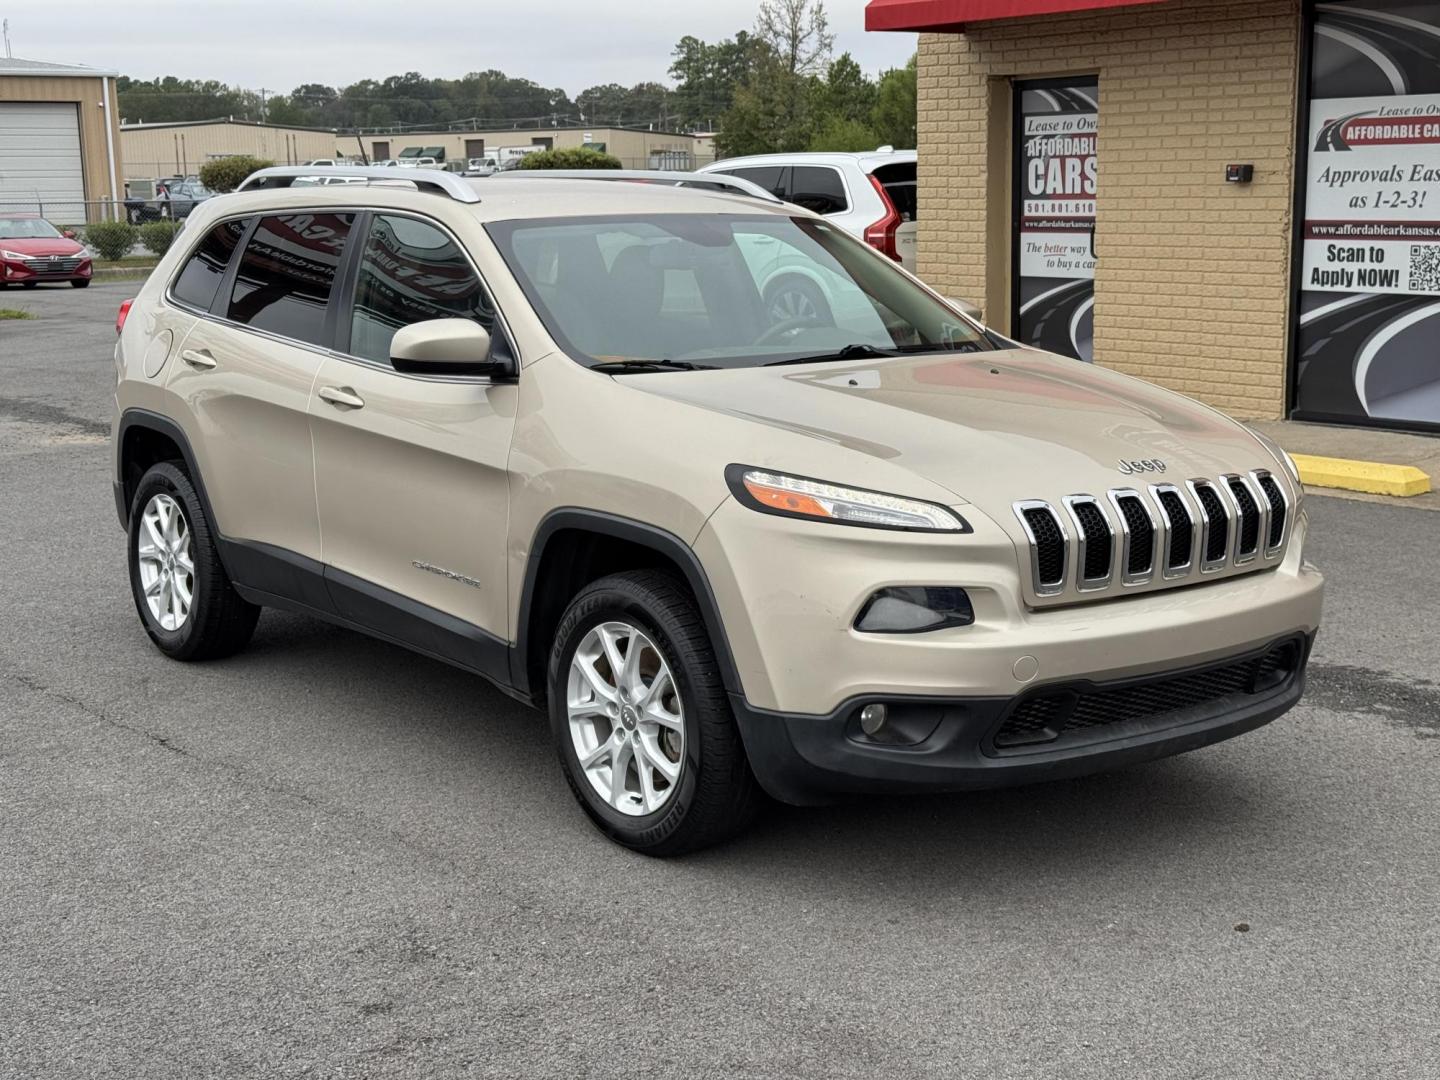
(773, 109)
(844, 136)
(893, 117)
(846, 93)
(707, 76)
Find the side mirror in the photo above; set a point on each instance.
(972, 310)
(450, 347)
(69, 234)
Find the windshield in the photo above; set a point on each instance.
(27, 229)
(712, 290)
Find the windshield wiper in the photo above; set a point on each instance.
(849, 352)
(620, 367)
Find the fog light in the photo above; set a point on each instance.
(872, 719)
(915, 609)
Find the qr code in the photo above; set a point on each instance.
(1425, 268)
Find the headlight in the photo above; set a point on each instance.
(797, 496)
(13, 255)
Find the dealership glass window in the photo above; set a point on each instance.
(818, 189)
(1367, 303)
(411, 271)
(287, 274)
(1056, 169)
(201, 275)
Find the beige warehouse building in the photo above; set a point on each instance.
(1239, 200)
(153, 150)
(60, 152)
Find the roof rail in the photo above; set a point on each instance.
(731, 184)
(434, 181)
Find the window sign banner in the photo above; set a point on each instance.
(1372, 205)
(1368, 340)
(1055, 173)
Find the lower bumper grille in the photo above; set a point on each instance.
(1068, 716)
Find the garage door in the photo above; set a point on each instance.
(40, 159)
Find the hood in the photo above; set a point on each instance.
(50, 245)
(991, 427)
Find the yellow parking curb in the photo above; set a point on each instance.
(1373, 477)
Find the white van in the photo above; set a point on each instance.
(488, 165)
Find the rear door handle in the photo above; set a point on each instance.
(198, 358)
(343, 396)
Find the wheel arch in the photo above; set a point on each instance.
(143, 439)
(574, 546)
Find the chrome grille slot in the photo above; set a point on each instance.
(1247, 532)
(1180, 530)
(1096, 540)
(1049, 549)
(1278, 511)
(1214, 524)
(1137, 547)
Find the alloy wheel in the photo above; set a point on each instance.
(626, 719)
(167, 562)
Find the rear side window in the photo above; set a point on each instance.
(411, 272)
(287, 274)
(201, 276)
(898, 180)
(769, 177)
(818, 189)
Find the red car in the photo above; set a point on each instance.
(32, 250)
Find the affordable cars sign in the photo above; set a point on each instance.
(1056, 172)
(1367, 346)
(1373, 203)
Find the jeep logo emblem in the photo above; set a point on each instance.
(1130, 468)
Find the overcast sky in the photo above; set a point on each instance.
(279, 44)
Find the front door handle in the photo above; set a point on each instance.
(199, 359)
(343, 396)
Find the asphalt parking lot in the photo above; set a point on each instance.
(329, 857)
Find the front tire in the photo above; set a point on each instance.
(184, 597)
(80, 283)
(641, 720)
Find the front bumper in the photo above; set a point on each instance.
(810, 759)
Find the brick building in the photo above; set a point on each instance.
(1239, 200)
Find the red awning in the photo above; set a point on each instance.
(954, 14)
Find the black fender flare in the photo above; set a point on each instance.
(622, 528)
(161, 425)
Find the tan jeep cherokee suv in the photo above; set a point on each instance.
(578, 438)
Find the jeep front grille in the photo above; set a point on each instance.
(1047, 545)
(1248, 541)
(1276, 498)
(1168, 532)
(1179, 527)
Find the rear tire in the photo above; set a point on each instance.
(674, 806)
(186, 602)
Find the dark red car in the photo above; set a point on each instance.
(32, 250)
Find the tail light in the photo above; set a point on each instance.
(124, 314)
(881, 235)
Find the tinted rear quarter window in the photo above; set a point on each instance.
(818, 189)
(201, 275)
(899, 183)
(287, 274)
